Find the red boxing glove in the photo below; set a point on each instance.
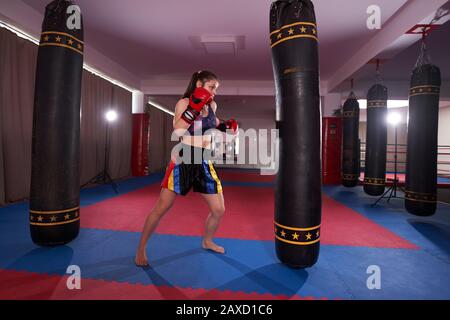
(197, 101)
(228, 125)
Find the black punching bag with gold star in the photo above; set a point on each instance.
(350, 142)
(298, 200)
(421, 158)
(55, 181)
(376, 140)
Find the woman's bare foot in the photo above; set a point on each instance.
(141, 258)
(209, 245)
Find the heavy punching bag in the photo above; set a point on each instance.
(331, 150)
(139, 144)
(55, 177)
(376, 140)
(293, 37)
(421, 157)
(350, 142)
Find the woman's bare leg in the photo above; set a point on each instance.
(165, 201)
(216, 205)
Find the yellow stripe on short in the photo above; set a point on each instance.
(215, 177)
(170, 184)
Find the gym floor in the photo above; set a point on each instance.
(412, 253)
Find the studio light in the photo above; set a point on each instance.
(111, 115)
(393, 118)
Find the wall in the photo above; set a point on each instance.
(444, 141)
(251, 112)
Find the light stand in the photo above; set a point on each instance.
(393, 119)
(104, 177)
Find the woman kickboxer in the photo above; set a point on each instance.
(194, 116)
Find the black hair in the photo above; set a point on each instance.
(204, 76)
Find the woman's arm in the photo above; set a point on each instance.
(225, 125)
(179, 125)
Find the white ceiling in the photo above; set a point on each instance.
(151, 45)
(399, 68)
(152, 38)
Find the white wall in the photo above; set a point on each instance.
(251, 112)
(401, 148)
(444, 140)
(259, 113)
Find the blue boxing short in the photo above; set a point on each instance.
(200, 173)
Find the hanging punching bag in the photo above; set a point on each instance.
(376, 140)
(55, 181)
(293, 37)
(331, 150)
(421, 157)
(350, 133)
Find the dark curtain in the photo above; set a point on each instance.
(17, 76)
(98, 97)
(161, 128)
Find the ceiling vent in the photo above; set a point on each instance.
(219, 44)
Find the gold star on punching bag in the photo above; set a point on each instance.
(291, 31)
(58, 39)
(295, 236)
(303, 29)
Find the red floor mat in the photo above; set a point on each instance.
(21, 285)
(236, 176)
(249, 215)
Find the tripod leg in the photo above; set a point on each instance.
(389, 189)
(390, 195)
(98, 178)
(111, 182)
